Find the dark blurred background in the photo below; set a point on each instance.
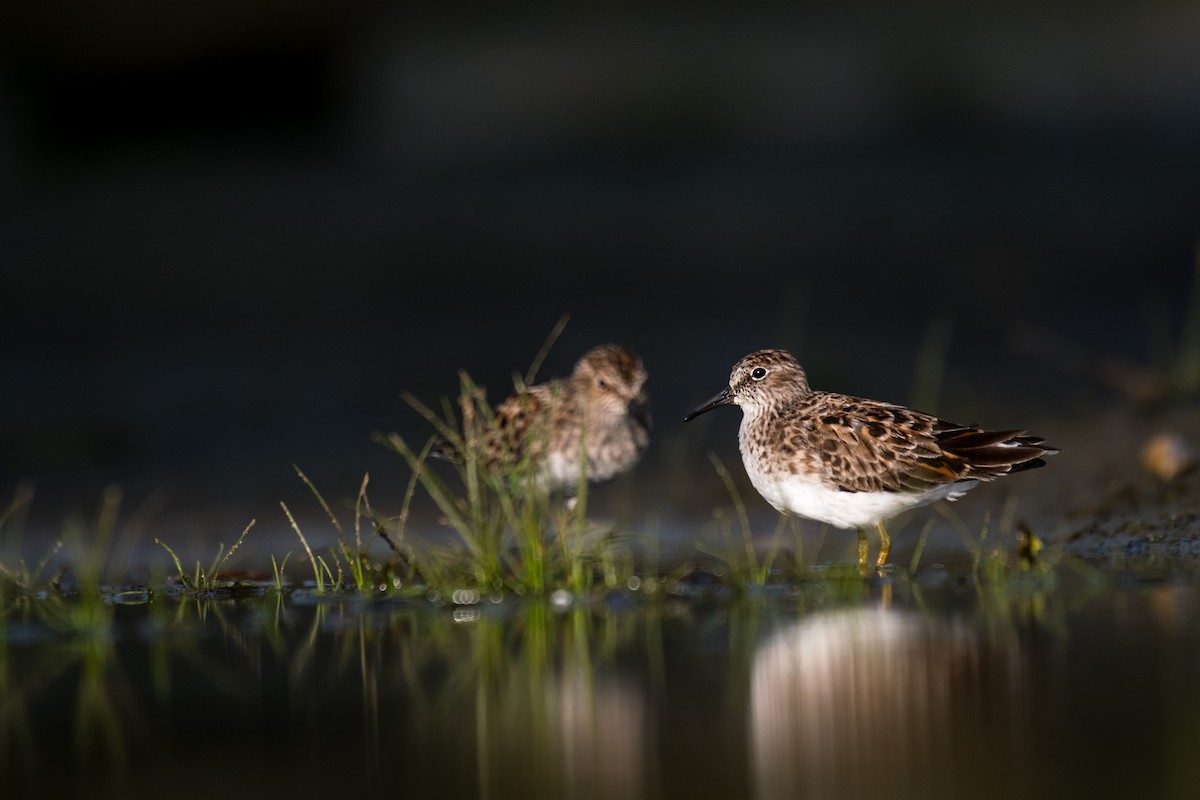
(231, 232)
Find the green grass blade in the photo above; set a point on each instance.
(178, 565)
(555, 332)
(320, 499)
(311, 558)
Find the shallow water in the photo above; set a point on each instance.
(1077, 681)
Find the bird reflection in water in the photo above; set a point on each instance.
(882, 703)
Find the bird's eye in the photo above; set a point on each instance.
(758, 373)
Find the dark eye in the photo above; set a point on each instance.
(758, 373)
(603, 384)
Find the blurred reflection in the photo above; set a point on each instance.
(880, 703)
(85, 673)
(523, 702)
(584, 737)
(550, 718)
(603, 736)
(302, 696)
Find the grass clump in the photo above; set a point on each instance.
(208, 583)
(77, 598)
(348, 565)
(18, 577)
(510, 531)
(353, 555)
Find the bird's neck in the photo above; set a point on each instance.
(757, 416)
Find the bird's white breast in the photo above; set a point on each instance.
(560, 471)
(809, 497)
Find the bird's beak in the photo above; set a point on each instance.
(723, 399)
(639, 409)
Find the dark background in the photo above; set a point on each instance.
(232, 232)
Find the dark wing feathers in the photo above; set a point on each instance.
(881, 447)
(990, 454)
(969, 438)
(1032, 463)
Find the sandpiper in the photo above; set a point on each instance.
(851, 462)
(593, 425)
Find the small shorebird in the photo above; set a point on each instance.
(851, 462)
(593, 425)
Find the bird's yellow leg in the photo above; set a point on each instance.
(862, 550)
(885, 544)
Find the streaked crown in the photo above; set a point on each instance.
(612, 377)
(765, 377)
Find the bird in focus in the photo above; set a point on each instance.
(851, 462)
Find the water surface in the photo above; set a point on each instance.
(1077, 681)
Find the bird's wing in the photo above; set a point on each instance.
(867, 446)
(517, 431)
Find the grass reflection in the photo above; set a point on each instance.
(945, 685)
(84, 677)
(535, 696)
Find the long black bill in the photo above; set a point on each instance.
(723, 399)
